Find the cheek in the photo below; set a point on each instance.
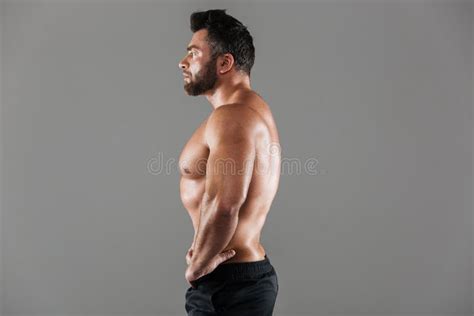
(194, 71)
(195, 67)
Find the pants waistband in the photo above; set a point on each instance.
(237, 270)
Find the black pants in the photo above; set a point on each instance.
(236, 288)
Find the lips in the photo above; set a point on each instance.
(186, 75)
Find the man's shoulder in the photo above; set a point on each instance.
(235, 113)
(233, 120)
(233, 109)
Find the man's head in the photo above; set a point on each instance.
(221, 46)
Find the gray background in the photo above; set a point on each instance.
(379, 92)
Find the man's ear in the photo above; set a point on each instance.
(225, 63)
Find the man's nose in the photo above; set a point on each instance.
(181, 64)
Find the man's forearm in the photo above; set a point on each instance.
(196, 231)
(216, 230)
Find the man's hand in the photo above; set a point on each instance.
(189, 255)
(194, 272)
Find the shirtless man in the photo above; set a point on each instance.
(230, 174)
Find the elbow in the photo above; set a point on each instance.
(227, 206)
(229, 210)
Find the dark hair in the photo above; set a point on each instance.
(226, 35)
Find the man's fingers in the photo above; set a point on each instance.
(226, 255)
(223, 256)
(189, 254)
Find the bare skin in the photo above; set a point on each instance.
(230, 167)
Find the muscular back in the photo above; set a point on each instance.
(264, 178)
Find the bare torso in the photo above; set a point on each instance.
(262, 189)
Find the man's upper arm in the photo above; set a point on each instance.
(230, 135)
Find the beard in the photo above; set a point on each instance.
(204, 80)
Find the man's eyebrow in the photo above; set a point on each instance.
(191, 47)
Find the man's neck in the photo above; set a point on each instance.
(228, 92)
